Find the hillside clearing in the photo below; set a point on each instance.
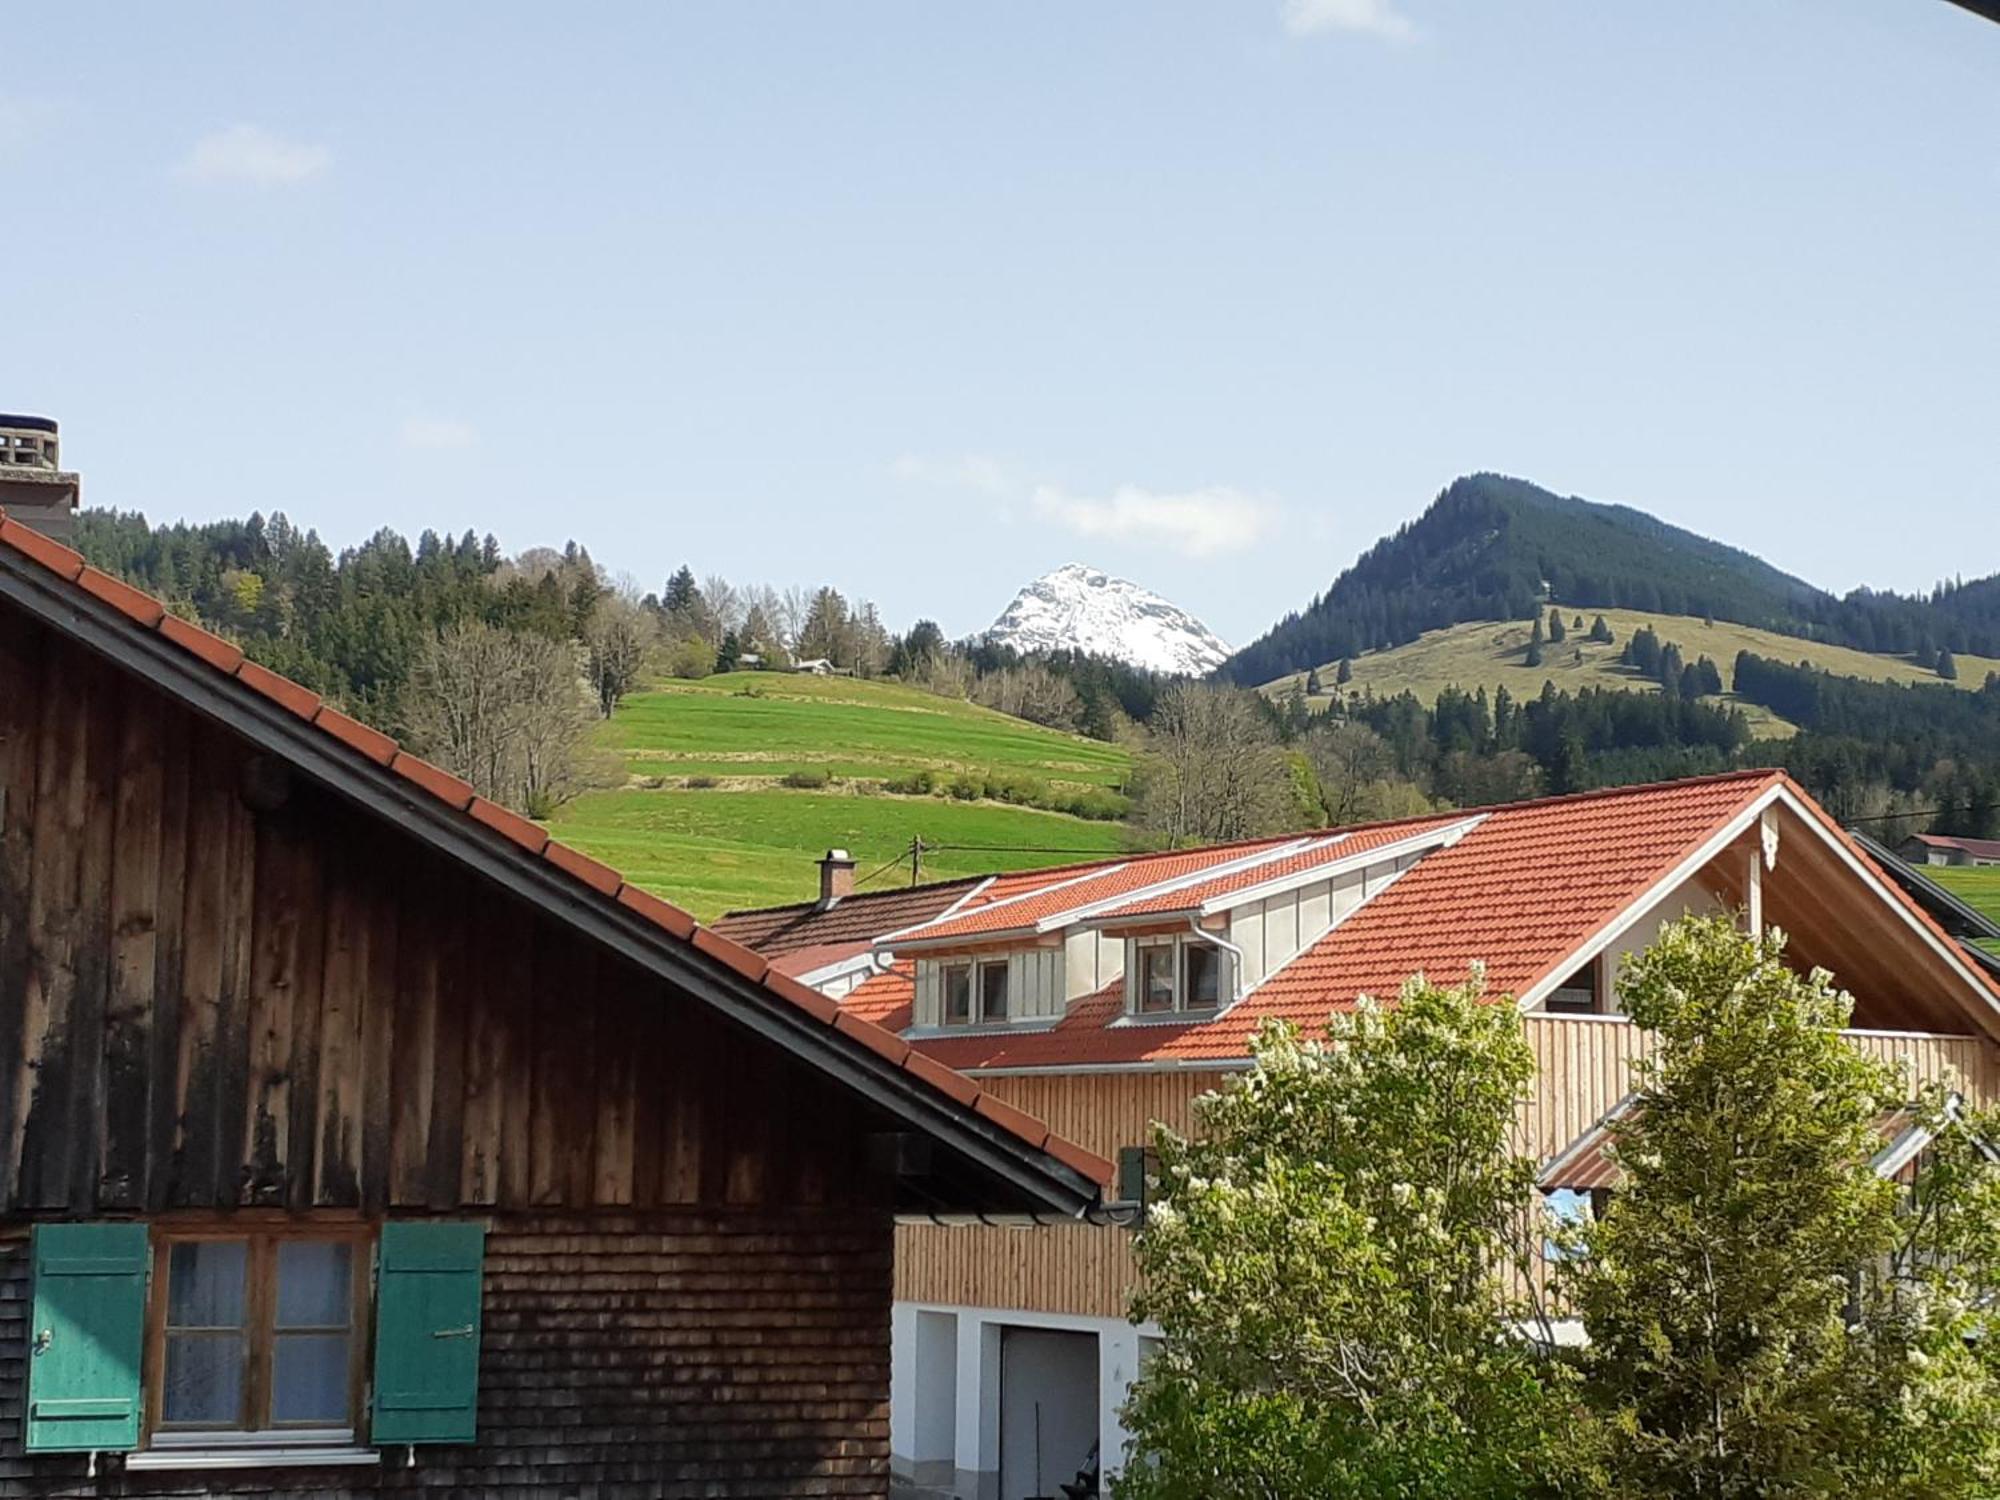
(750, 840)
(1489, 654)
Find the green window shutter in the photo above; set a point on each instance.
(87, 1337)
(427, 1332)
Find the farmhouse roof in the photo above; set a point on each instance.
(1977, 848)
(1521, 891)
(1040, 1171)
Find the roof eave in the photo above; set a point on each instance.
(1043, 1180)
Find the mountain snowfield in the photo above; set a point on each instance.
(1078, 608)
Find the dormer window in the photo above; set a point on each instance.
(1170, 975)
(974, 992)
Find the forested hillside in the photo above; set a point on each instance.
(1494, 548)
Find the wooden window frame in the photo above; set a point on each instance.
(945, 971)
(1182, 989)
(260, 1312)
(980, 970)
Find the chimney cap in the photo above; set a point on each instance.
(837, 857)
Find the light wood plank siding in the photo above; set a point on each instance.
(1584, 1067)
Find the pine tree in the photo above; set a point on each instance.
(1313, 688)
(1534, 656)
(1600, 631)
(1345, 673)
(1947, 668)
(1557, 631)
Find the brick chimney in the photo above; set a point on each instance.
(34, 490)
(836, 877)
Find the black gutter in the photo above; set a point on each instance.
(67, 609)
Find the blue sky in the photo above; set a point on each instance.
(927, 298)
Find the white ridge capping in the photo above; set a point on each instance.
(1429, 838)
(1096, 872)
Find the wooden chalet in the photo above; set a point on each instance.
(1107, 997)
(356, 1138)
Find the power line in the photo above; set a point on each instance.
(1925, 812)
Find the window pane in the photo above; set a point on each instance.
(204, 1379)
(1204, 969)
(993, 992)
(958, 992)
(205, 1284)
(314, 1278)
(309, 1378)
(1156, 978)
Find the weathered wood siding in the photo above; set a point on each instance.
(624, 1355)
(1584, 1067)
(205, 1006)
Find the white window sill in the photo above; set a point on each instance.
(295, 1456)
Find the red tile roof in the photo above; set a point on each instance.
(860, 918)
(148, 614)
(1490, 897)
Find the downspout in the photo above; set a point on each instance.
(1235, 969)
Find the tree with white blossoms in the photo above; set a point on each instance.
(1769, 1317)
(1332, 1263)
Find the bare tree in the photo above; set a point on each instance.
(726, 606)
(615, 640)
(1213, 769)
(1032, 692)
(504, 710)
(794, 605)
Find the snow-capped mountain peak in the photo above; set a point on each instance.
(1078, 608)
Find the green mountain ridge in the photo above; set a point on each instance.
(1492, 547)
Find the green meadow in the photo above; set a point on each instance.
(1975, 886)
(704, 814)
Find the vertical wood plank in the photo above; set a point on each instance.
(615, 1087)
(486, 1080)
(342, 1058)
(413, 1073)
(21, 709)
(105, 694)
(234, 1085)
(305, 967)
(197, 1061)
(445, 1148)
(135, 902)
(55, 900)
(576, 1122)
(513, 996)
(383, 918)
(163, 1105)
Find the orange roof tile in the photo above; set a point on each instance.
(1486, 898)
(382, 754)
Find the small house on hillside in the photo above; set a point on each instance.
(1946, 849)
(1110, 996)
(815, 666)
(357, 1138)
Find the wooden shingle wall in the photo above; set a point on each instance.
(223, 987)
(625, 1356)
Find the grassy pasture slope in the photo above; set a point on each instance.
(1488, 654)
(1976, 887)
(751, 841)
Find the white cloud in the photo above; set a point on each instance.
(974, 472)
(439, 434)
(252, 155)
(1376, 18)
(1194, 523)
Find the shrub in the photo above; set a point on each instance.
(809, 780)
(700, 783)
